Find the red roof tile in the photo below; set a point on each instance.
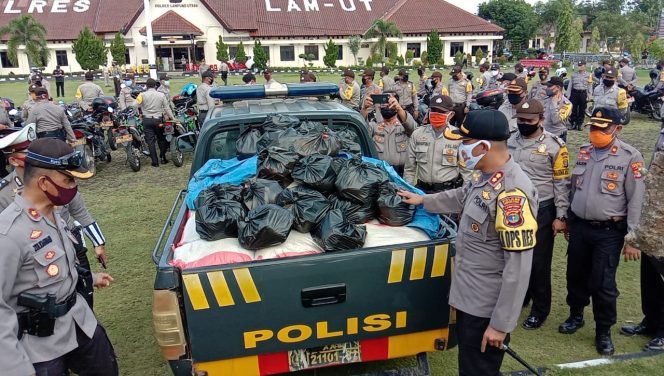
(234, 14)
(421, 16)
(171, 23)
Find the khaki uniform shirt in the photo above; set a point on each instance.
(154, 104)
(545, 160)
(46, 85)
(38, 257)
(125, 100)
(538, 91)
(166, 91)
(433, 158)
(556, 115)
(460, 91)
(350, 95)
(580, 81)
(203, 99)
(608, 183)
(407, 94)
(613, 97)
(494, 246)
(26, 107)
(422, 86)
(386, 83)
(86, 93)
(440, 89)
(48, 116)
(392, 140)
(523, 75)
(509, 111)
(488, 81)
(627, 76)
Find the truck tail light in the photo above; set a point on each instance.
(168, 324)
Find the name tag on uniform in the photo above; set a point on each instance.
(42, 243)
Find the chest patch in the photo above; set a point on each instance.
(42, 243)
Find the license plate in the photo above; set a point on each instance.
(105, 124)
(124, 138)
(78, 142)
(316, 357)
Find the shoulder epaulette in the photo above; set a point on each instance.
(559, 140)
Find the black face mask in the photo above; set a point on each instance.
(608, 83)
(520, 70)
(388, 113)
(404, 78)
(514, 98)
(434, 83)
(543, 76)
(364, 81)
(550, 92)
(527, 129)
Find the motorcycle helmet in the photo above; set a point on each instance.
(103, 103)
(136, 90)
(469, 75)
(189, 90)
(490, 99)
(654, 74)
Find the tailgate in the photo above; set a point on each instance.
(307, 302)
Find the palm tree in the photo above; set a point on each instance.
(26, 31)
(382, 30)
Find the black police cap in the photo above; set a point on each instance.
(489, 125)
(603, 117)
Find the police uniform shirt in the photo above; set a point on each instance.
(203, 99)
(49, 117)
(422, 86)
(392, 140)
(407, 94)
(125, 100)
(488, 81)
(608, 183)
(166, 91)
(494, 244)
(660, 84)
(369, 90)
(627, 76)
(523, 75)
(613, 97)
(154, 104)
(538, 91)
(440, 89)
(556, 115)
(580, 81)
(350, 94)
(433, 158)
(545, 160)
(26, 107)
(509, 111)
(86, 93)
(37, 257)
(4, 117)
(460, 91)
(386, 83)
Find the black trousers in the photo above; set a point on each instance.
(459, 114)
(202, 114)
(224, 77)
(60, 86)
(93, 357)
(473, 362)
(539, 288)
(652, 294)
(593, 255)
(579, 99)
(155, 134)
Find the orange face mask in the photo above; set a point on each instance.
(438, 119)
(600, 139)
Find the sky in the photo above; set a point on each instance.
(471, 5)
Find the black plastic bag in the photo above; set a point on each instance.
(277, 164)
(308, 206)
(265, 226)
(246, 144)
(325, 142)
(336, 233)
(316, 171)
(259, 192)
(285, 139)
(392, 211)
(307, 127)
(269, 137)
(218, 219)
(347, 142)
(281, 121)
(358, 181)
(354, 212)
(219, 191)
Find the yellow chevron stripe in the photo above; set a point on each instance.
(247, 366)
(192, 284)
(247, 286)
(419, 263)
(220, 288)
(440, 260)
(397, 266)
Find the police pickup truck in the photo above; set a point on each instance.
(290, 314)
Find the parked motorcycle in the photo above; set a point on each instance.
(94, 146)
(103, 111)
(172, 130)
(647, 101)
(127, 136)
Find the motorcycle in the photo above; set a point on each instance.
(172, 130)
(128, 137)
(646, 101)
(94, 147)
(103, 111)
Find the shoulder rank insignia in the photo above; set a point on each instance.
(541, 138)
(36, 234)
(495, 180)
(34, 214)
(451, 136)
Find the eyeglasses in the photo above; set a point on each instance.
(73, 160)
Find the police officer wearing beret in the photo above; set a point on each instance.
(495, 242)
(544, 158)
(606, 197)
(46, 327)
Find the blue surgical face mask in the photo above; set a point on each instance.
(167, 83)
(127, 83)
(466, 157)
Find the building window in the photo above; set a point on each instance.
(485, 50)
(340, 56)
(456, 47)
(287, 53)
(232, 52)
(415, 47)
(267, 52)
(311, 50)
(127, 59)
(61, 58)
(4, 60)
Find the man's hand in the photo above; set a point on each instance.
(411, 198)
(466, 110)
(100, 251)
(103, 280)
(631, 253)
(368, 102)
(558, 227)
(416, 114)
(4, 126)
(493, 337)
(393, 103)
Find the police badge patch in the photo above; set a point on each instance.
(513, 208)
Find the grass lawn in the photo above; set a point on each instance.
(132, 207)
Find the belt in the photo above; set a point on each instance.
(581, 90)
(546, 203)
(64, 307)
(444, 186)
(614, 222)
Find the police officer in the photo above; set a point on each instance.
(39, 79)
(51, 119)
(368, 88)
(349, 90)
(422, 83)
(223, 69)
(407, 94)
(126, 100)
(155, 109)
(386, 82)
(505, 79)
(491, 268)
(578, 89)
(517, 93)
(46, 327)
(433, 150)
(59, 75)
(165, 87)
(437, 87)
(521, 72)
(5, 121)
(14, 144)
(87, 92)
(391, 131)
(626, 74)
(557, 108)
(538, 91)
(461, 92)
(249, 79)
(660, 83)
(269, 81)
(544, 158)
(609, 95)
(203, 99)
(606, 197)
(30, 102)
(489, 79)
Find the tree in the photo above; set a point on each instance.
(90, 50)
(637, 44)
(331, 54)
(260, 56)
(479, 55)
(656, 49)
(410, 55)
(594, 41)
(565, 27)
(382, 30)
(222, 50)
(241, 56)
(434, 46)
(515, 16)
(118, 48)
(392, 52)
(424, 56)
(577, 28)
(355, 43)
(26, 31)
(308, 58)
(458, 58)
